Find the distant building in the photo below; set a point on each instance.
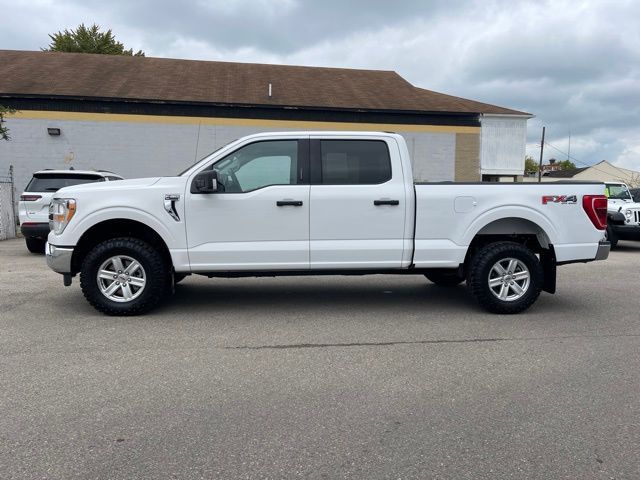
(552, 166)
(602, 172)
(142, 116)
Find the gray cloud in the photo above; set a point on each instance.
(575, 65)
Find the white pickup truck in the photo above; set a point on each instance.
(311, 203)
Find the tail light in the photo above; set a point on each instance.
(596, 208)
(30, 198)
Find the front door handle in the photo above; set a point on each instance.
(289, 203)
(377, 203)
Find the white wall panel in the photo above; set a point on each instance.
(503, 143)
(136, 149)
(433, 155)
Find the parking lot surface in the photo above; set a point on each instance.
(321, 377)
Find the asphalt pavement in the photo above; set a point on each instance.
(321, 377)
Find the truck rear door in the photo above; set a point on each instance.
(357, 202)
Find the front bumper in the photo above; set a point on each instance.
(604, 247)
(35, 230)
(626, 232)
(59, 258)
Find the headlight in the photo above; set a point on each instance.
(628, 213)
(61, 211)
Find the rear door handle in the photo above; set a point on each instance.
(377, 203)
(289, 203)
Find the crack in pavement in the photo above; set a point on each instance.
(419, 342)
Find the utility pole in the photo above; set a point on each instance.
(541, 151)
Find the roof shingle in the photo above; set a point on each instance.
(55, 74)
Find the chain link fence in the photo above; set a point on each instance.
(7, 207)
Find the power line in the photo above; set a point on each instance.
(569, 157)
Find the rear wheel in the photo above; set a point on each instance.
(505, 277)
(610, 235)
(35, 245)
(124, 276)
(178, 277)
(444, 278)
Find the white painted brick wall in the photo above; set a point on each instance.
(134, 149)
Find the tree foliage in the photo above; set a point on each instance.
(88, 40)
(4, 131)
(530, 165)
(567, 165)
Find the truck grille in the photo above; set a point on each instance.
(636, 216)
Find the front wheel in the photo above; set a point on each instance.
(124, 276)
(505, 277)
(444, 278)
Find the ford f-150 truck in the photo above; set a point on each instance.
(320, 203)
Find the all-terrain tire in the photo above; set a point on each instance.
(482, 265)
(156, 271)
(612, 237)
(35, 245)
(444, 278)
(178, 277)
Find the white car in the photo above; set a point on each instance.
(623, 213)
(317, 203)
(33, 207)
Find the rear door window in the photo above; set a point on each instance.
(51, 182)
(354, 162)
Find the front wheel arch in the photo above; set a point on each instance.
(116, 228)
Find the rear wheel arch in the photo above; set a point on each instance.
(512, 229)
(521, 231)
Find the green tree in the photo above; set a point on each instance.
(530, 165)
(88, 40)
(567, 165)
(4, 131)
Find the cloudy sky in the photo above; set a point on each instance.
(574, 64)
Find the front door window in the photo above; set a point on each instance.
(259, 165)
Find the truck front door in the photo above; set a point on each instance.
(357, 217)
(258, 219)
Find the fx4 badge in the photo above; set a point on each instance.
(559, 199)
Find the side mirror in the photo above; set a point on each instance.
(205, 182)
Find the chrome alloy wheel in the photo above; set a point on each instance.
(509, 279)
(121, 278)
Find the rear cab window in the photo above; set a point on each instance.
(51, 182)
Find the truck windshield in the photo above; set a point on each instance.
(618, 192)
(207, 155)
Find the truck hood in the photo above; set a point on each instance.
(116, 185)
(622, 206)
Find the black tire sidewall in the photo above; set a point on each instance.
(482, 264)
(152, 262)
(445, 279)
(35, 245)
(612, 237)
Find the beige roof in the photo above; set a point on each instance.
(54, 74)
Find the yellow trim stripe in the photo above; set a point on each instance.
(244, 122)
